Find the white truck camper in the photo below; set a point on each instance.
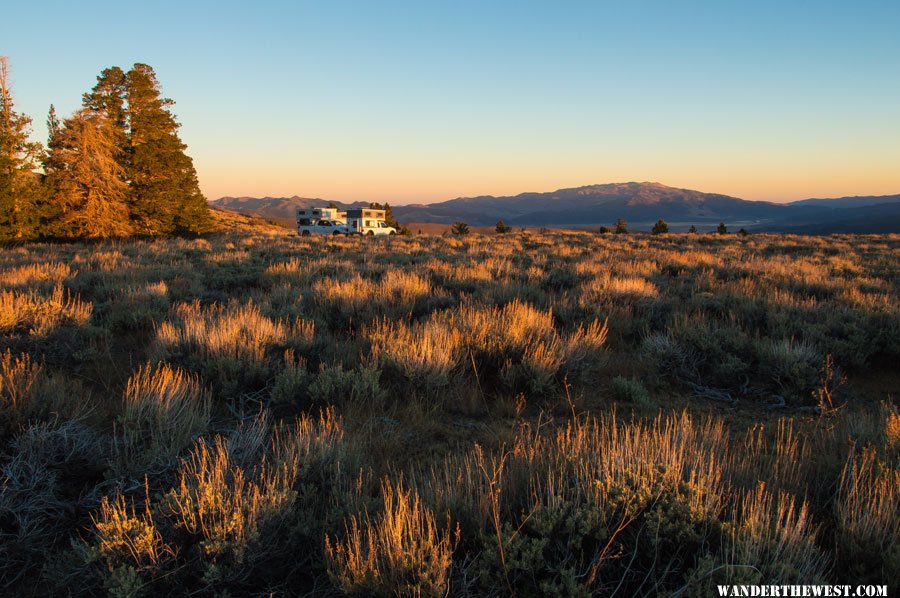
(321, 221)
(330, 221)
(367, 221)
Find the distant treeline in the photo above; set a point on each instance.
(114, 168)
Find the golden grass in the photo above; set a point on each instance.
(125, 535)
(40, 273)
(227, 506)
(867, 506)
(237, 330)
(403, 552)
(164, 410)
(31, 312)
(17, 376)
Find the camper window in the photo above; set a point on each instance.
(303, 221)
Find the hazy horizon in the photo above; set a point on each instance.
(416, 103)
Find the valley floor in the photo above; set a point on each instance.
(558, 413)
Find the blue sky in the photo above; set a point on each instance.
(422, 101)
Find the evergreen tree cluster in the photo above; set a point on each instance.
(389, 218)
(116, 167)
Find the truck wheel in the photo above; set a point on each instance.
(393, 232)
(335, 233)
(304, 233)
(370, 233)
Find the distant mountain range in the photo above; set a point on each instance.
(641, 204)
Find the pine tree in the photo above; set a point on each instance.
(46, 210)
(660, 228)
(389, 218)
(502, 228)
(108, 98)
(19, 185)
(88, 189)
(165, 195)
(621, 226)
(722, 229)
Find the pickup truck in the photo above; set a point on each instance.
(322, 227)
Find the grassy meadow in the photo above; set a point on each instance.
(536, 413)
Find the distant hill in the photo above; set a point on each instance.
(592, 205)
(868, 219)
(641, 204)
(859, 201)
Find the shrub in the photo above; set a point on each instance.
(292, 383)
(39, 503)
(128, 544)
(631, 390)
(555, 510)
(459, 229)
(792, 365)
(138, 308)
(502, 228)
(335, 385)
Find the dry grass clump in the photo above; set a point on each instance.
(426, 353)
(29, 394)
(238, 331)
(516, 343)
(768, 539)
(164, 410)
(232, 345)
(402, 552)
(612, 288)
(38, 274)
(31, 312)
(867, 512)
(17, 377)
(359, 299)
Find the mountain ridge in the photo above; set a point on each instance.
(640, 203)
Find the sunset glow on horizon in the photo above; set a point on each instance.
(413, 102)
